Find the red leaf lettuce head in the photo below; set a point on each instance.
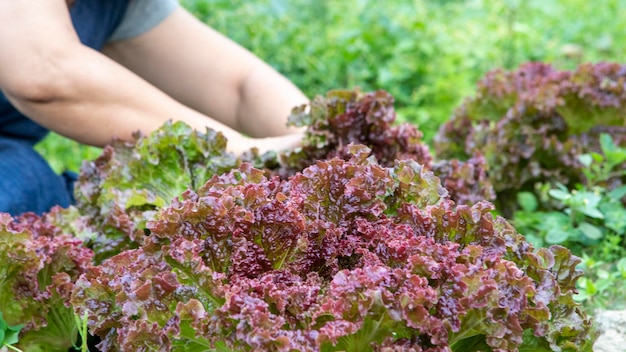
(531, 124)
(344, 117)
(347, 255)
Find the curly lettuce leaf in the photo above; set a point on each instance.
(123, 189)
(40, 264)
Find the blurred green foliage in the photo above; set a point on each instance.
(427, 53)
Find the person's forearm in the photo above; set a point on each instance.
(267, 99)
(98, 99)
(210, 73)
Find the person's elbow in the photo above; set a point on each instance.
(38, 85)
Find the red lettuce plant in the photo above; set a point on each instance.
(347, 255)
(344, 117)
(39, 264)
(532, 124)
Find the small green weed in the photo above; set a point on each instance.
(590, 220)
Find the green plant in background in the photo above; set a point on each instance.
(603, 284)
(585, 217)
(601, 167)
(64, 154)
(590, 220)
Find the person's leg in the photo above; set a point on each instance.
(27, 183)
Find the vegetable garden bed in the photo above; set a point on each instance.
(359, 240)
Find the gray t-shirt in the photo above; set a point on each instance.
(141, 16)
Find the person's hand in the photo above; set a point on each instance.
(289, 141)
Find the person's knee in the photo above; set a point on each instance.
(27, 183)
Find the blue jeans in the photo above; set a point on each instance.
(27, 183)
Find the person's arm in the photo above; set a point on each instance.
(58, 82)
(210, 73)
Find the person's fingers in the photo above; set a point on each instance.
(290, 141)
